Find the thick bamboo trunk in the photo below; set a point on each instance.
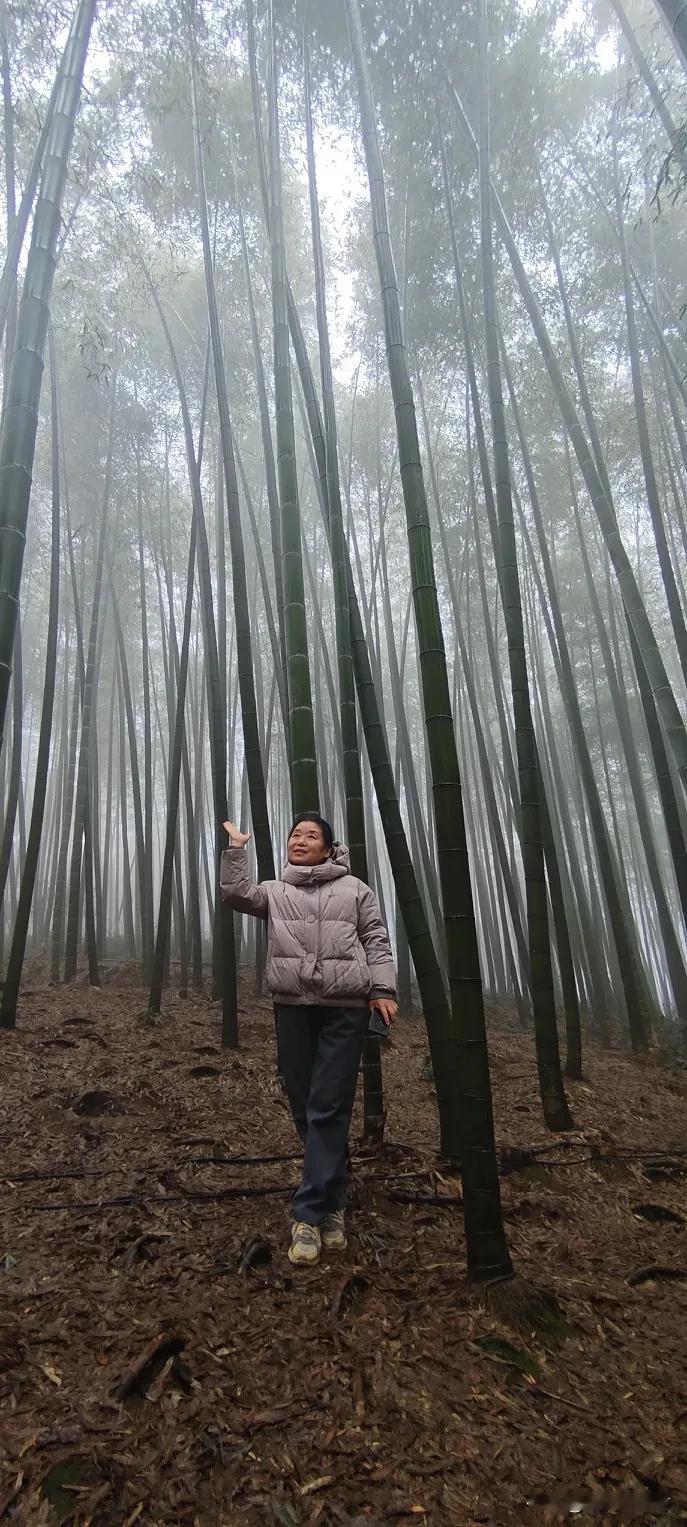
(373, 1092)
(440, 1031)
(20, 410)
(674, 15)
(173, 786)
(8, 1010)
(554, 1104)
(487, 1251)
(251, 737)
(301, 723)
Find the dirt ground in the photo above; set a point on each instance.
(162, 1363)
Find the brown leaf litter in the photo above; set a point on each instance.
(161, 1363)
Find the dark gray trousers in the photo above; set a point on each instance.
(319, 1051)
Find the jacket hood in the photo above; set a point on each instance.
(338, 864)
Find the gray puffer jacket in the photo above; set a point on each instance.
(326, 942)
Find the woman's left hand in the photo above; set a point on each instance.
(386, 1006)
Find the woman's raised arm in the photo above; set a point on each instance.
(235, 883)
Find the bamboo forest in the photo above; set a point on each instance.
(343, 762)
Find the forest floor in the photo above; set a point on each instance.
(162, 1363)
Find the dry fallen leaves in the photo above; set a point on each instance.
(374, 1389)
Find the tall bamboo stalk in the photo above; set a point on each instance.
(82, 814)
(20, 406)
(251, 737)
(487, 1251)
(661, 687)
(674, 14)
(638, 1009)
(8, 1010)
(224, 961)
(302, 731)
(373, 1099)
(554, 1104)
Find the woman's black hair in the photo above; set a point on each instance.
(314, 816)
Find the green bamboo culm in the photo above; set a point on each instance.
(441, 1037)
(373, 1084)
(554, 1105)
(488, 1257)
(637, 999)
(675, 17)
(244, 651)
(441, 1034)
(304, 786)
(8, 278)
(15, 964)
(353, 783)
(224, 948)
(173, 791)
(20, 414)
(635, 608)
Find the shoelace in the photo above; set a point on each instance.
(305, 1232)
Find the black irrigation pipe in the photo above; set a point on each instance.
(10, 1176)
(650, 1157)
(238, 1160)
(141, 1201)
(511, 1158)
(256, 1160)
(435, 1200)
(295, 1156)
(109, 1171)
(6, 1177)
(517, 1153)
(516, 1160)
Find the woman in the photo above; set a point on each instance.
(328, 962)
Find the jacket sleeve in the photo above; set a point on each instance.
(236, 886)
(375, 941)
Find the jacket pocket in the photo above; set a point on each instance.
(283, 977)
(346, 976)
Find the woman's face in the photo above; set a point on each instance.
(306, 844)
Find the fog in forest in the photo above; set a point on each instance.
(343, 762)
(360, 471)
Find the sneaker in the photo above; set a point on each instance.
(333, 1232)
(306, 1244)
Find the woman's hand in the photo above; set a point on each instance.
(236, 837)
(386, 1006)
